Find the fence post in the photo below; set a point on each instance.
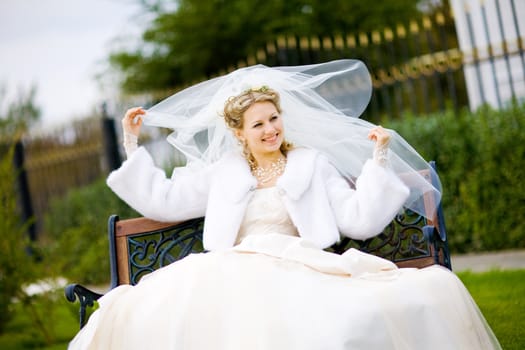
(109, 139)
(26, 206)
(441, 23)
(518, 36)
(491, 54)
(476, 60)
(505, 51)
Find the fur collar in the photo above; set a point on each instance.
(234, 177)
(298, 173)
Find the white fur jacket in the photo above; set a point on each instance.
(318, 199)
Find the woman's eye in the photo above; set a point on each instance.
(275, 117)
(257, 125)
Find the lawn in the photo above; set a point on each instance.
(501, 297)
(499, 294)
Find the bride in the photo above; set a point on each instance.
(271, 152)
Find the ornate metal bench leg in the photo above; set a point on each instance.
(85, 296)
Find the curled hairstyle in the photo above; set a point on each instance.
(235, 107)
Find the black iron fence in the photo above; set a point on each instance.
(419, 67)
(416, 67)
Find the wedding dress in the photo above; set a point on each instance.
(274, 290)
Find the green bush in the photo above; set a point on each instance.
(77, 225)
(59, 318)
(480, 158)
(16, 266)
(19, 265)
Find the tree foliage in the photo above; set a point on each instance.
(17, 116)
(192, 39)
(16, 266)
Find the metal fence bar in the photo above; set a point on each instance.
(427, 25)
(389, 47)
(109, 138)
(401, 34)
(451, 85)
(518, 36)
(491, 53)
(417, 44)
(475, 60)
(505, 50)
(25, 203)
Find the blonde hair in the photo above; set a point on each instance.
(235, 107)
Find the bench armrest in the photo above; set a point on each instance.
(438, 240)
(85, 296)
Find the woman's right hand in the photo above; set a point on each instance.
(132, 120)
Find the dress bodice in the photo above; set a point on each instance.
(265, 214)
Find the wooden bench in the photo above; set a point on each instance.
(139, 246)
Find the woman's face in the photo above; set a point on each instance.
(262, 130)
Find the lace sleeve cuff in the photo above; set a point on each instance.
(130, 143)
(381, 155)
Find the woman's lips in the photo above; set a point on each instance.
(272, 139)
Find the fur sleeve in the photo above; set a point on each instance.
(146, 189)
(364, 212)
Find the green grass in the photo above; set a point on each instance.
(499, 294)
(501, 297)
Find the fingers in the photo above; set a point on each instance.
(132, 120)
(375, 133)
(132, 113)
(379, 135)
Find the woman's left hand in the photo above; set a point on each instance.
(380, 136)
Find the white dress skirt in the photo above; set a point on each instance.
(274, 290)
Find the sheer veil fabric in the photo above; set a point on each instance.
(321, 106)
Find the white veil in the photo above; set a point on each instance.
(321, 105)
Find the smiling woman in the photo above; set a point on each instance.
(255, 118)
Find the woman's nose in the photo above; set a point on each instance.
(269, 128)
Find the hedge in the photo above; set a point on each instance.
(480, 160)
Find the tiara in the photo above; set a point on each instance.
(262, 88)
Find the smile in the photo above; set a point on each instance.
(271, 139)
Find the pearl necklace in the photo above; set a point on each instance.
(265, 175)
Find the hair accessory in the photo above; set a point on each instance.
(262, 88)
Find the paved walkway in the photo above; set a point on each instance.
(508, 259)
